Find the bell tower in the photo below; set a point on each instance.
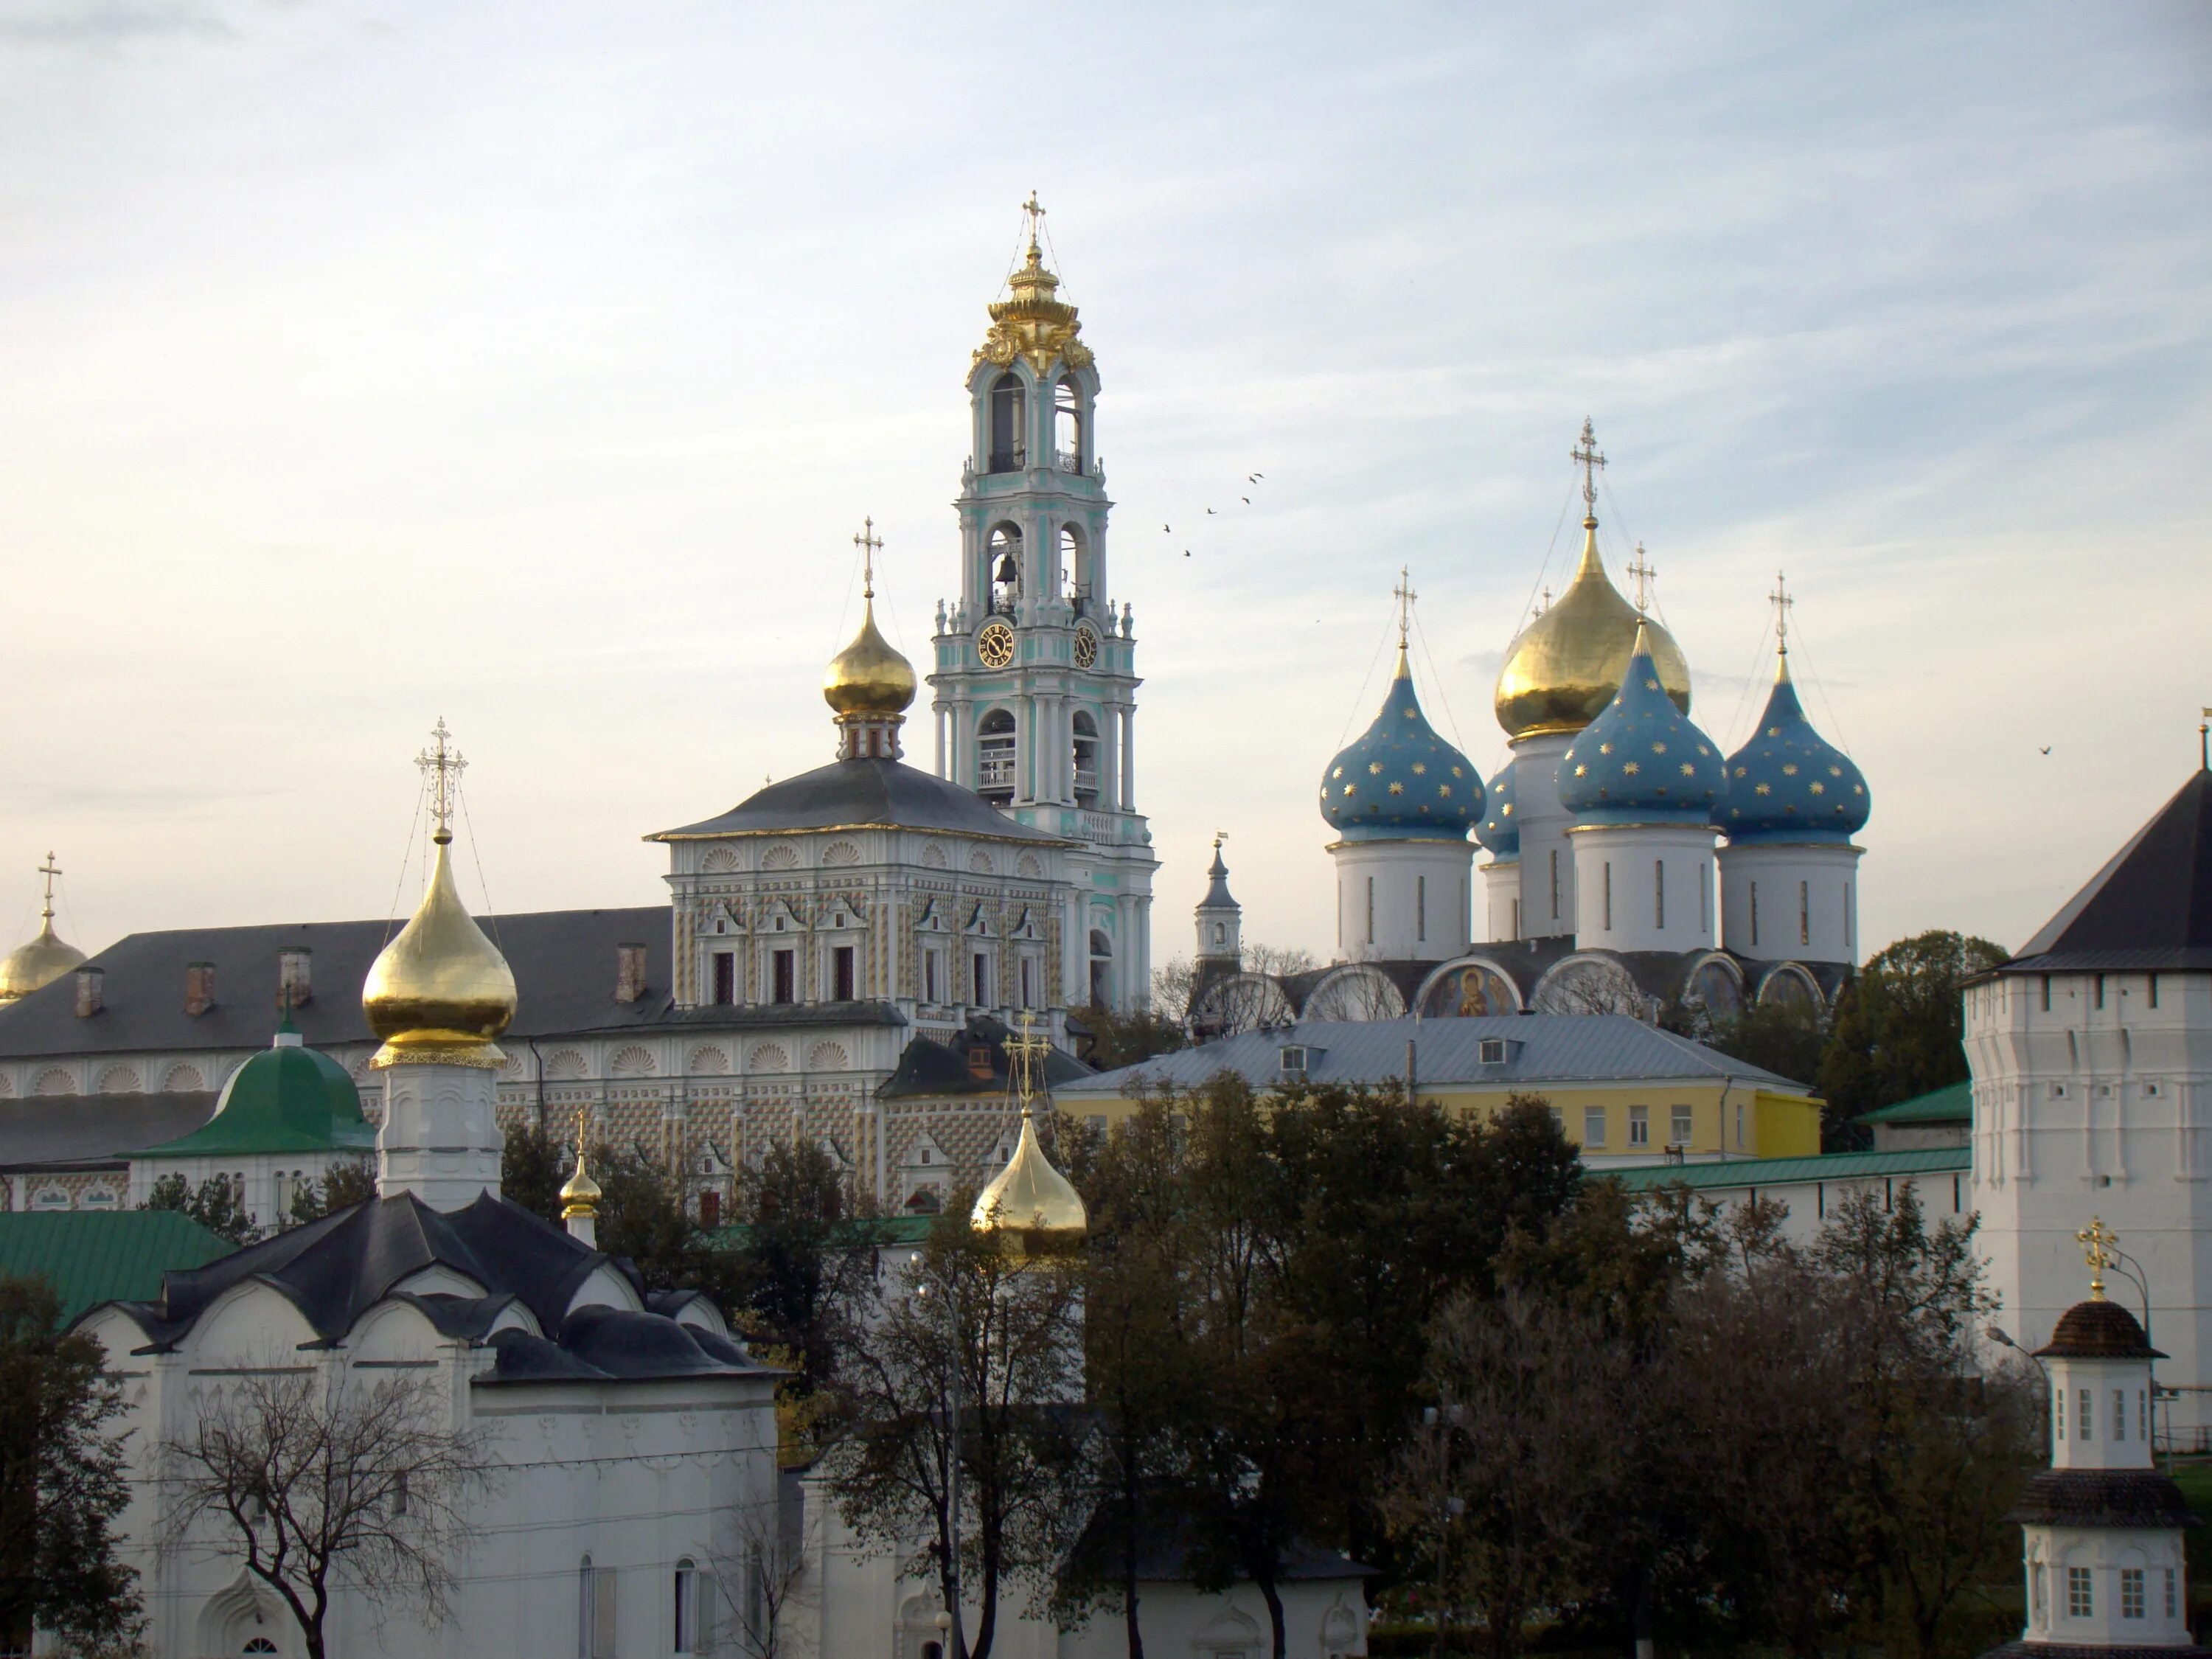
(1035, 686)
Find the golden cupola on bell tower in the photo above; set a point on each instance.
(1563, 668)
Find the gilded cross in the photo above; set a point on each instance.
(1403, 592)
(442, 764)
(1585, 455)
(870, 544)
(1036, 220)
(1027, 1053)
(583, 1123)
(1780, 600)
(50, 869)
(2100, 1247)
(1644, 571)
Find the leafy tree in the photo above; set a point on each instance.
(62, 1483)
(1899, 1025)
(532, 1167)
(1786, 1038)
(344, 1184)
(215, 1204)
(1118, 1040)
(311, 1493)
(804, 1262)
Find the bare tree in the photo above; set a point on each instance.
(764, 1579)
(1508, 1489)
(317, 1485)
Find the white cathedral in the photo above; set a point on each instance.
(1632, 867)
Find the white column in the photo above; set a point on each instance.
(1548, 863)
(1129, 758)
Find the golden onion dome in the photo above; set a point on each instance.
(868, 677)
(1029, 1200)
(580, 1194)
(37, 963)
(441, 992)
(1565, 667)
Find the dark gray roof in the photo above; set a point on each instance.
(73, 1131)
(862, 793)
(1541, 1049)
(564, 976)
(335, 1269)
(927, 1066)
(2149, 907)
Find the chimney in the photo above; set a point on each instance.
(199, 987)
(89, 1000)
(629, 972)
(295, 987)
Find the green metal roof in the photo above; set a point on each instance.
(92, 1256)
(284, 1099)
(1793, 1172)
(1953, 1104)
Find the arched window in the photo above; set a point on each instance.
(1086, 759)
(995, 756)
(1075, 573)
(1101, 969)
(687, 1606)
(1009, 448)
(1004, 567)
(260, 1644)
(1068, 425)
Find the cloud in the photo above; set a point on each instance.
(100, 25)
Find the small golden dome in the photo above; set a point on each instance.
(868, 677)
(1030, 1199)
(441, 992)
(38, 963)
(1563, 668)
(581, 1194)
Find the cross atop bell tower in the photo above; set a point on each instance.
(1034, 678)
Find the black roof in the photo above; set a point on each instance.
(334, 1269)
(2102, 1498)
(2098, 1330)
(862, 792)
(2149, 907)
(927, 1066)
(40, 1132)
(564, 976)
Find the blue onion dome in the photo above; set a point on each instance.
(1499, 832)
(1399, 781)
(1641, 761)
(1789, 783)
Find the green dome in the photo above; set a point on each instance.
(288, 1098)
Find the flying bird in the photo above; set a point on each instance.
(1247, 499)
(1167, 529)
(2046, 749)
(1253, 477)
(1209, 511)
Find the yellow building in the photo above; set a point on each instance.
(1625, 1092)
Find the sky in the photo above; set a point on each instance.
(532, 366)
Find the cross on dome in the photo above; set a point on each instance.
(1587, 456)
(2100, 1248)
(1403, 592)
(1644, 571)
(1780, 600)
(1035, 213)
(870, 544)
(1026, 1053)
(442, 764)
(50, 869)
